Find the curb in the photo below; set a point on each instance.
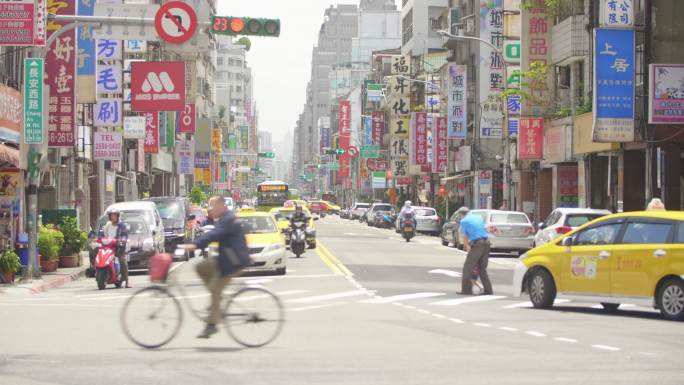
(42, 287)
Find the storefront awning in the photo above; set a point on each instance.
(9, 155)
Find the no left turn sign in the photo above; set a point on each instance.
(175, 22)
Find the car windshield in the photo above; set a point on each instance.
(362, 205)
(171, 213)
(136, 226)
(382, 208)
(257, 225)
(576, 220)
(126, 216)
(425, 212)
(510, 218)
(198, 213)
(283, 215)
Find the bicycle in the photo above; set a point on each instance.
(155, 309)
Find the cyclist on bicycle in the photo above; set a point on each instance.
(233, 257)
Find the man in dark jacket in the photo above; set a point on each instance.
(233, 257)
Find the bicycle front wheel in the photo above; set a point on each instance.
(253, 317)
(151, 317)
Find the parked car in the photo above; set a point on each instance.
(450, 232)
(147, 210)
(562, 221)
(509, 231)
(358, 209)
(427, 220)
(370, 214)
(141, 243)
(178, 226)
(633, 257)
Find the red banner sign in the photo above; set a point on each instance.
(378, 127)
(420, 138)
(377, 165)
(151, 132)
(530, 138)
(158, 86)
(186, 120)
(345, 132)
(60, 66)
(440, 155)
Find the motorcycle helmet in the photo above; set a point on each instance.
(113, 211)
(407, 203)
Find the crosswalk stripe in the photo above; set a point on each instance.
(450, 273)
(460, 301)
(402, 297)
(324, 297)
(280, 294)
(529, 304)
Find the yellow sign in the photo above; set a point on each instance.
(582, 137)
(268, 188)
(216, 139)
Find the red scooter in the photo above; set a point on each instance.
(107, 269)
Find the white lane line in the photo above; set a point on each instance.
(606, 347)
(424, 311)
(460, 301)
(529, 304)
(401, 297)
(442, 316)
(258, 281)
(410, 307)
(304, 308)
(508, 329)
(482, 324)
(449, 273)
(535, 334)
(325, 297)
(105, 298)
(505, 262)
(568, 340)
(176, 266)
(456, 320)
(281, 294)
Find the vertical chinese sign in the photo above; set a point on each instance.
(568, 185)
(399, 118)
(491, 69)
(109, 84)
(439, 142)
(535, 43)
(530, 138)
(614, 85)
(343, 143)
(418, 139)
(456, 101)
(185, 152)
(85, 59)
(33, 100)
(61, 75)
(616, 13)
(151, 132)
(186, 119)
(378, 132)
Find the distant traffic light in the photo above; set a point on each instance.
(230, 25)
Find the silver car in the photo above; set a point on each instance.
(562, 221)
(509, 231)
(427, 220)
(358, 209)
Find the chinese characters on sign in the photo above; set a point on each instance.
(134, 127)
(616, 13)
(108, 112)
(418, 138)
(399, 118)
(22, 22)
(107, 146)
(491, 65)
(401, 65)
(666, 94)
(536, 39)
(151, 132)
(216, 140)
(33, 100)
(186, 119)
(457, 101)
(439, 150)
(614, 85)
(343, 143)
(531, 138)
(378, 132)
(10, 114)
(568, 186)
(61, 71)
(185, 152)
(202, 159)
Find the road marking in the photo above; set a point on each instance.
(529, 304)
(401, 297)
(280, 294)
(449, 273)
(317, 306)
(482, 324)
(424, 311)
(456, 320)
(606, 347)
(331, 261)
(410, 307)
(505, 262)
(258, 281)
(325, 297)
(535, 334)
(442, 316)
(104, 298)
(460, 301)
(176, 266)
(568, 340)
(508, 329)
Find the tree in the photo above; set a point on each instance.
(197, 196)
(246, 42)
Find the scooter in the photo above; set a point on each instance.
(107, 269)
(298, 237)
(387, 221)
(408, 229)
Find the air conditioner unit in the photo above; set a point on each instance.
(48, 179)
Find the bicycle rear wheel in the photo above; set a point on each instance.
(151, 317)
(253, 317)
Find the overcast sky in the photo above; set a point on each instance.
(281, 66)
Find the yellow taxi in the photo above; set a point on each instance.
(634, 257)
(264, 240)
(282, 216)
(332, 208)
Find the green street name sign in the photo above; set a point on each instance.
(334, 166)
(34, 69)
(370, 152)
(268, 155)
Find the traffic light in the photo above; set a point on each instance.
(230, 25)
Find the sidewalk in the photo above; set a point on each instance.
(57, 278)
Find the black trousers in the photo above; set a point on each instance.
(478, 255)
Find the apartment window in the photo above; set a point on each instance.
(238, 88)
(219, 61)
(238, 76)
(231, 62)
(407, 27)
(229, 75)
(238, 62)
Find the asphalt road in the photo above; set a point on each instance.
(365, 308)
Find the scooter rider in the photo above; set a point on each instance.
(115, 229)
(299, 215)
(408, 209)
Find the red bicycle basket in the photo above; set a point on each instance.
(159, 267)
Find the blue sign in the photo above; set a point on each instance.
(85, 65)
(513, 125)
(325, 138)
(614, 85)
(367, 130)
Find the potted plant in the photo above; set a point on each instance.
(9, 265)
(74, 242)
(50, 241)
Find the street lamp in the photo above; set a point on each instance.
(506, 177)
